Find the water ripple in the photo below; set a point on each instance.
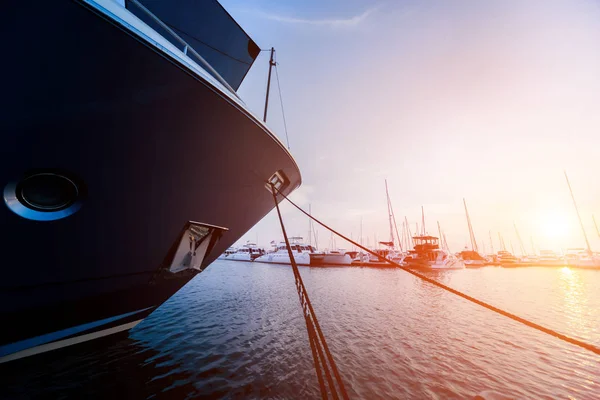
(236, 331)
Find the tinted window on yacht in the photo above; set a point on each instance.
(207, 27)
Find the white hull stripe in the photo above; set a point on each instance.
(68, 342)
(51, 337)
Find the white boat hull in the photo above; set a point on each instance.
(474, 263)
(284, 258)
(239, 257)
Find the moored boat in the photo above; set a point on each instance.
(427, 255)
(300, 251)
(472, 259)
(330, 257)
(549, 258)
(227, 252)
(248, 252)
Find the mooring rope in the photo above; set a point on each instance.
(490, 307)
(320, 351)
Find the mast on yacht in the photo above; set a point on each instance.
(471, 233)
(392, 220)
(520, 241)
(596, 226)
(587, 242)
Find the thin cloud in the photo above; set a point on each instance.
(330, 22)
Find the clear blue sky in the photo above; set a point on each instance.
(487, 100)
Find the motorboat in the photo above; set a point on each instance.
(330, 257)
(226, 253)
(248, 252)
(427, 255)
(549, 258)
(300, 251)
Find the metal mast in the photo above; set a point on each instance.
(390, 214)
(271, 65)
(520, 241)
(589, 249)
(309, 226)
(409, 239)
(471, 233)
(491, 242)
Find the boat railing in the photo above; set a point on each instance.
(186, 49)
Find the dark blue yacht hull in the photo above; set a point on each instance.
(154, 144)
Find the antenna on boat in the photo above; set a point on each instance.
(471, 233)
(439, 230)
(578, 216)
(271, 65)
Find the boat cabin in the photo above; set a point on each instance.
(425, 243)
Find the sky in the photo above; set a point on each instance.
(484, 100)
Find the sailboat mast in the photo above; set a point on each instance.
(471, 233)
(491, 242)
(439, 230)
(423, 221)
(445, 242)
(532, 246)
(309, 226)
(409, 240)
(596, 226)
(361, 236)
(519, 238)
(501, 241)
(392, 219)
(589, 249)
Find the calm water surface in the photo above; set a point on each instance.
(237, 331)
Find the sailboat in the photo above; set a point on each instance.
(471, 258)
(390, 252)
(586, 258)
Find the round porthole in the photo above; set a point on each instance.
(45, 195)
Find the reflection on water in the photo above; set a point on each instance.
(237, 331)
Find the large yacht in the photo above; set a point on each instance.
(128, 162)
(248, 252)
(507, 260)
(300, 251)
